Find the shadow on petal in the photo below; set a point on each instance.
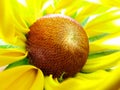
(25, 77)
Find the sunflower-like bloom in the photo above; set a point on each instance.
(101, 21)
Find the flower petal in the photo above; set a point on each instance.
(50, 83)
(103, 62)
(12, 31)
(109, 42)
(73, 9)
(38, 81)
(112, 81)
(87, 10)
(21, 78)
(61, 4)
(18, 13)
(58, 6)
(6, 22)
(83, 81)
(34, 10)
(104, 23)
(113, 3)
(98, 80)
(20, 40)
(10, 55)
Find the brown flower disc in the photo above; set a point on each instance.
(57, 44)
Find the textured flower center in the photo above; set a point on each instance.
(57, 44)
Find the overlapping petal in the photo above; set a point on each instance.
(18, 14)
(10, 55)
(102, 62)
(26, 13)
(58, 6)
(98, 80)
(112, 81)
(50, 83)
(12, 25)
(108, 42)
(113, 3)
(104, 23)
(34, 8)
(5, 22)
(83, 81)
(87, 11)
(22, 78)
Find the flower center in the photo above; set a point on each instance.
(57, 44)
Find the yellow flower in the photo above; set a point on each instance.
(101, 22)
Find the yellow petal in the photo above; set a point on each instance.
(49, 7)
(74, 8)
(18, 13)
(61, 4)
(6, 22)
(20, 40)
(112, 82)
(109, 42)
(99, 80)
(21, 78)
(99, 74)
(34, 8)
(87, 10)
(81, 84)
(2, 11)
(10, 55)
(13, 22)
(38, 81)
(104, 23)
(56, 6)
(113, 3)
(50, 83)
(103, 62)
(98, 47)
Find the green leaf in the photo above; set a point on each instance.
(25, 61)
(91, 39)
(73, 15)
(84, 22)
(8, 46)
(102, 53)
